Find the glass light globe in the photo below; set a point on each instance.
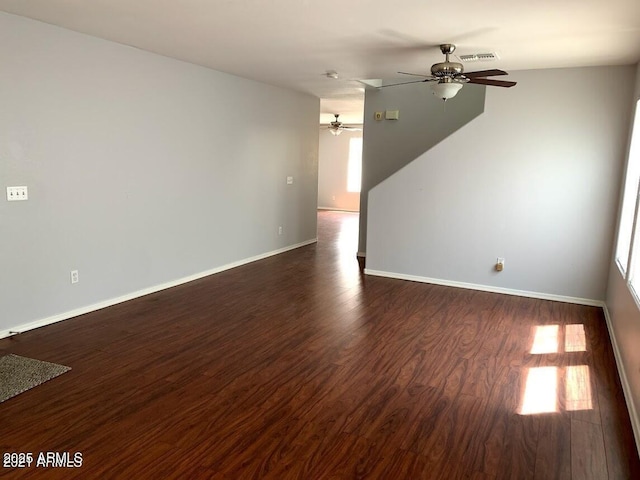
(446, 90)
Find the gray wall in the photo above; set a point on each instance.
(424, 121)
(333, 163)
(141, 169)
(535, 180)
(624, 315)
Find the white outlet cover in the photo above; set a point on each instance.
(289, 180)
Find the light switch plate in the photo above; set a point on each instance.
(392, 114)
(15, 194)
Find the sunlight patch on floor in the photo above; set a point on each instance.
(574, 338)
(554, 388)
(578, 388)
(540, 393)
(545, 339)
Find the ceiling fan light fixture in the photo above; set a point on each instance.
(336, 126)
(446, 89)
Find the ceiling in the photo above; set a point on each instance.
(293, 43)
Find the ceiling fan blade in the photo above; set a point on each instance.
(485, 73)
(406, 83)
(491, 82)
(415, 74)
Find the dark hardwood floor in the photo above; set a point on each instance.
(297, 366)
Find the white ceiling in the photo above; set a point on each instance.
(292, 43)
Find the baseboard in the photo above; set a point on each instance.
(487, 288)
(336, 209)
(361, 254)
(622, 373)
(146, 291)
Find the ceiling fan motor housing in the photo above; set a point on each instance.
(447, 69)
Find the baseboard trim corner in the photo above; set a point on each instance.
(18, 329)
(487, 288)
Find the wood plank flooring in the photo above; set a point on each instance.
(299, 367)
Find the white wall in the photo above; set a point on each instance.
(535, 179)
(333, 164)
(624, 316)
(141, 170)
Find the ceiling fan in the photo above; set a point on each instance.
(336, 127)
(450, 76)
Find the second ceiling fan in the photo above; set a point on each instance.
(336, 127)
(450, 76)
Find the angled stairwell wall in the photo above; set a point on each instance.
(535, 180)
(424, 121)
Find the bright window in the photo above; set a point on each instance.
(354, 169)
(623, 248)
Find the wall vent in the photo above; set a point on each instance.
(478, 57)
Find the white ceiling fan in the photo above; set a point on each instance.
(336, 127)
(450, 76)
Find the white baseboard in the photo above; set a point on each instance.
(146, 291)
(487, 288)
(337, 209)
(622, 373)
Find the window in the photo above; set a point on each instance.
(354, 168)
(630, 195)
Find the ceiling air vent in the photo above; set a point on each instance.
(478, 57)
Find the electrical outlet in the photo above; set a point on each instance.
(499, 264)
(289, 180)
(74, 276)
(280, 230)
